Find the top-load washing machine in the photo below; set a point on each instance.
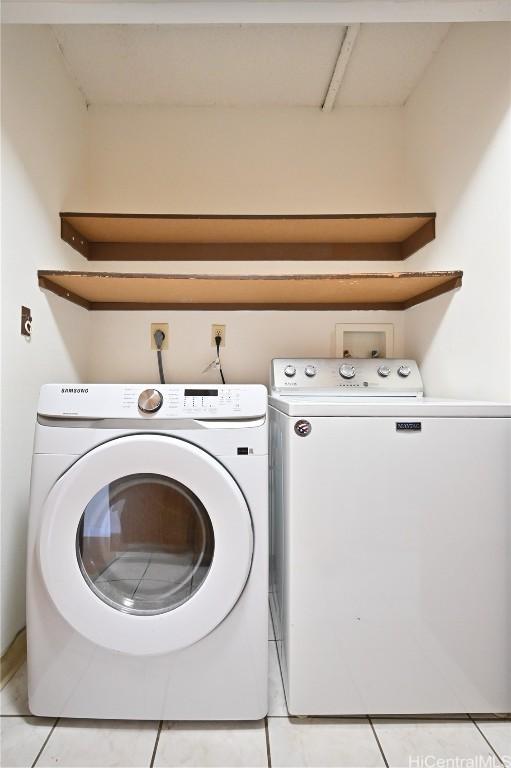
(391, 542)
(147, 589)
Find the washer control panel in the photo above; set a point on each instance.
(376, 377)
(153, 401)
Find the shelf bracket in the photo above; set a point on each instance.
(73, 238)
(58, 290)
(418, 239)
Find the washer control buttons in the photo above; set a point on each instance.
(310, 371)
(347, 371)
(404, 370)
(384, 371)
(150, 400)
(289, 371)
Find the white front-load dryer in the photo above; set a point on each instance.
(147, 553)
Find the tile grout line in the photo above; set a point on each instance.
(378, 741)
(501, 761)
(267, 734)
(45, 742)
(155, 748)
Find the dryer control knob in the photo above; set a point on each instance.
(310, 371)
(289, 371)
(384, 371)
(404, 371)
(347, 371)
(150, 400)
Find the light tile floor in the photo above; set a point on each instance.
(467, 741)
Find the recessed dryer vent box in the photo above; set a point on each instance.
(364, 340)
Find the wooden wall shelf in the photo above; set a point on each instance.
(182, 237)
(132, 291)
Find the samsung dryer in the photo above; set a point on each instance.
(391, 542)
(147, 587)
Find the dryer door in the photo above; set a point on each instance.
(145, 544)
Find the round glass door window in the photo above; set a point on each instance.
(145, 544)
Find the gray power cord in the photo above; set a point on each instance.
(218, 341)
(159, 338)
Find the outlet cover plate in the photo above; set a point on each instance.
(26, 317)
(160, 327)
(217, 330)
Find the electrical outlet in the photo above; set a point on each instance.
(217, 330)
(160, 327)
(26, 322)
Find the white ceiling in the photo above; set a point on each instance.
(388, 61)
(252, 11)
(245, 64)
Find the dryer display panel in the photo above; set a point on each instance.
(153, 402)
(145, 544)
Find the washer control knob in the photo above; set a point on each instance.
(150, 401)
(384, 371)
(289, 371)
(404, 370)
(310, 371)
(347, 371)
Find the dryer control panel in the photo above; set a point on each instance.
(375, 377)
(153, 401)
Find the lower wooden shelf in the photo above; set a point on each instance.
(136, 291)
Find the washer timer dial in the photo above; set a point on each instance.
(347, 371)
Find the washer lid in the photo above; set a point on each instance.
(420, 407)
(145, 544)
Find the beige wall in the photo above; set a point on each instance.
(121, 342)
(233, 161)
(43, 139)
(458, 149)
(239, 160)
